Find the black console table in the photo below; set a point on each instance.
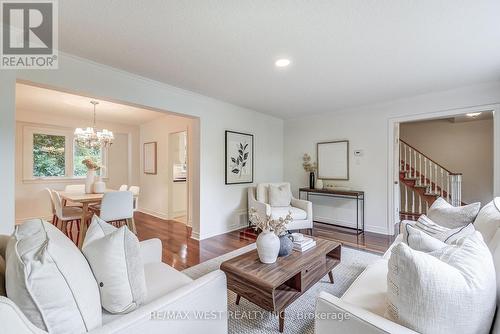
(358, 196)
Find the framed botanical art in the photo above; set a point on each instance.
(149, 159)
(239, 157)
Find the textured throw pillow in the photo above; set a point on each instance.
(2, 277)
(115, 258)
(444, 234)
(447, 215)
(419, 240)
(50, 281)
(488, 221)
(450, 290)
(280, 195)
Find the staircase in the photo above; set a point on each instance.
(422, 181)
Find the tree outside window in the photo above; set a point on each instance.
(81, 153)
(48, 155)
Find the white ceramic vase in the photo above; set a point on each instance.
(89, 181)
(268, 247)
(318, 184)
(99, 186)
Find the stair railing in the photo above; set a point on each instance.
(427, 173)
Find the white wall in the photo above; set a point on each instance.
(7, 150)
(31, 199)
(157, 190)
(462, 147)
(219, 207)
(367, 128)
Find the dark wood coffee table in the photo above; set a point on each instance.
(275, 286)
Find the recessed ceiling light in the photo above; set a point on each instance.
(473, 114)
(283, 62)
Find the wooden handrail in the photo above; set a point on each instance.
(420, 152)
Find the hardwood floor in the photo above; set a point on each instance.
(181, 252)
(374, 242)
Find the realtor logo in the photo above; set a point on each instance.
(29, 34)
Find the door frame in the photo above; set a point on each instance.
(391, 142)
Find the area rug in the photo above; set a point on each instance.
(299, 316)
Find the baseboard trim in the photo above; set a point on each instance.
(231, 229)
(377, 229)
(153, 213)
(178, 214)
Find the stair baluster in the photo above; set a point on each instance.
(414, 163)
(423, 182)
(425, 171)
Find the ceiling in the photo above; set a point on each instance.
(36, 99)
(484, 115)
(344, 53)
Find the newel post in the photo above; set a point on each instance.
(456, 189)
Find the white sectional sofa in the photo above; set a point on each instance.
(365, 299)
(168, 290)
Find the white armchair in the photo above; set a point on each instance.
(301, 210)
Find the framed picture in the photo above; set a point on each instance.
(149, 159)
(239, 157)
(333, 160)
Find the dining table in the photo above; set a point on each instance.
(85, 200)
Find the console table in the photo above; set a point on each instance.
(358, 196)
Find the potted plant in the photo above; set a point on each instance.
(92, 168)
(273, 236)
(309, 167)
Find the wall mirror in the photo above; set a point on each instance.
(333, 160)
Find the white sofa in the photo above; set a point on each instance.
(300, 210)
(168, 291)
(365, 299)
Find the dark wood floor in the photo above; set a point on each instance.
(181, 252)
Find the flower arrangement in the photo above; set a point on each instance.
(278, 226)
(90, 164)
(309, 166)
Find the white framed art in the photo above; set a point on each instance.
(238, 157)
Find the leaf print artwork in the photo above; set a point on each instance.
(239, 157)
(239, 162)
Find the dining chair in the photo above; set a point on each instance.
(123, 187)
(52, 207)
(117, 207)
(68, 216)
(73, 188)
(135, 190)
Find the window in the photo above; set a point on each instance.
(80, 153)
(50, 153)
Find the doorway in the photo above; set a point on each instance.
(430, 177)
(178, 183)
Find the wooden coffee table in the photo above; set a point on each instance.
(275, 286)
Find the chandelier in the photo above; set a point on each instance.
(93, 138)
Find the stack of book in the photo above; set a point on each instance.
(304, 244)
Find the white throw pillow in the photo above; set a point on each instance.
(447, 215)
(419, 240)
(50, 281)
(115, 258)
(280, 195)
(450, 290)
(2, 277)
(488, 221)
(441, 233)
